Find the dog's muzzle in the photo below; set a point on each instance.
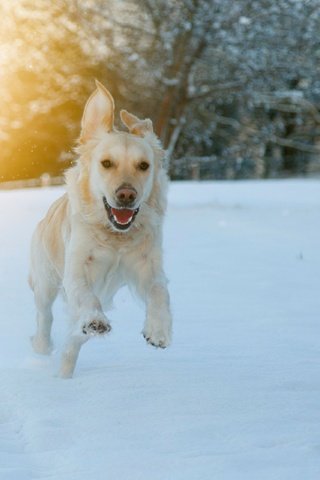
(121, 218)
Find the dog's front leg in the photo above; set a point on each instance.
(87, 317)
(154, 290)
(158, 324)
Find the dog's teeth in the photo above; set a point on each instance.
(122, 223)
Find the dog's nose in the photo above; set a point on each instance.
(126, 195)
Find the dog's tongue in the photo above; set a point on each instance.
(123, 216)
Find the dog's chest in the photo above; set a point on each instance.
(103, 271)
(107, 270)
(112, 264)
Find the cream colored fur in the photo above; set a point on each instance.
(76, 247)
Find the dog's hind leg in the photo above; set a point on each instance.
(44, 281)
(75, 341)
(44, 295)
(70, 355)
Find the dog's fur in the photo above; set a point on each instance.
(77, 246)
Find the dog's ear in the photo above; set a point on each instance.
(135, 125)
(98, 112)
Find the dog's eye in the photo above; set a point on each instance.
(143, 166)
(106, 163)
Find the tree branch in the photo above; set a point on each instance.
(285, 142)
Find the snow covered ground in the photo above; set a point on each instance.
(237, 395)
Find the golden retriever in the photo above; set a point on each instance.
(105, 232)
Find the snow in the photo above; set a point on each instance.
(236, 396)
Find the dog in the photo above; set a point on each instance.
(104, 232)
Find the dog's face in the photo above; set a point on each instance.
(121, 164)
(122, 176)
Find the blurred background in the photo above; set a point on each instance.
(232, 86)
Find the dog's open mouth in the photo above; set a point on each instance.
(121, 218)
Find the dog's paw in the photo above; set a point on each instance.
(96, 327)
(157, 338)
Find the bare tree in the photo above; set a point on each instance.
(232, 80)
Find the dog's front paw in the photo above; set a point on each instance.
(157, 338)
(96, 327)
